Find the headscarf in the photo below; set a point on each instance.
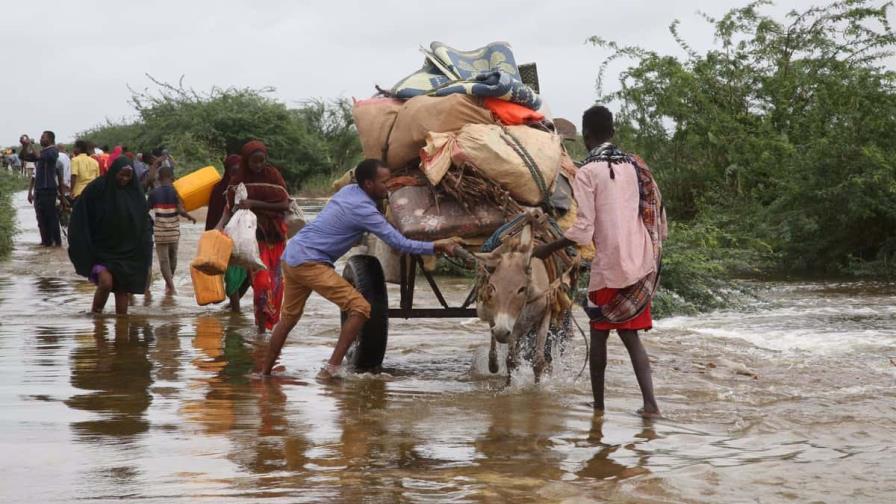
(110, 226)
(116, 152)
(232, 159)
(218, 200)
(267, 185)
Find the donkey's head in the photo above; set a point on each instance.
(507, 286)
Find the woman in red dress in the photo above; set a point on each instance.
(269, 200)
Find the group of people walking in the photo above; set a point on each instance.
(111, 238)
(114, 226)
(56, 179)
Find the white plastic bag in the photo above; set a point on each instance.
(241, 229)
(295, 218)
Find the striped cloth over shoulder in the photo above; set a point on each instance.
(163, 202)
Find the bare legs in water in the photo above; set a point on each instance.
(640, 363)
(104, 287)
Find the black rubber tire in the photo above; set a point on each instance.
(365, 273)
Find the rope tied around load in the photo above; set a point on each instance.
(520, 150)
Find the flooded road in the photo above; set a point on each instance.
(793, 400)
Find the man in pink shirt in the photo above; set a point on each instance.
(609, 191)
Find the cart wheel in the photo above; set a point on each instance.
(365, 274)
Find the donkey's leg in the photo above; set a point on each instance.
(541, 334)
(493, 357)
(513, 354)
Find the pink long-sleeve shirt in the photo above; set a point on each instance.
(609, 217)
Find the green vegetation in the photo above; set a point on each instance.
(199, 129)
(774, 150)
(9, 184)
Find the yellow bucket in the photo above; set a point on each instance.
(195, 189)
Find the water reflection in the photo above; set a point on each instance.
(251, 411)
(50, 287)
(214, 411)
(166, 352)
(115, 373)
(47, 341)
(603, 465)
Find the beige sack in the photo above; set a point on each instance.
(586, 252)
(374, 119)
(486, 148)
(347, 178)
(423, 114)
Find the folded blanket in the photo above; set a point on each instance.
(487, 71)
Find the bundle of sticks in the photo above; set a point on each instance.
(468, 187)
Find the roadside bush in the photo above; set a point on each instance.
(200, 129)
(9, 184)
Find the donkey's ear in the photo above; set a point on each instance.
(525, 241)
(509, 244)
(489, 260)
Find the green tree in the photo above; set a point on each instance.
(200, 128)
(784, 132)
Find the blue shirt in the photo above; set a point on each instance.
(348, 214)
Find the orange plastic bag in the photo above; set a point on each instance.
(207, 288)
(214, 253)
(510, 113)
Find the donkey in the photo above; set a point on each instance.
(514, 299)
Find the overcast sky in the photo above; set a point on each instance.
(69, 63)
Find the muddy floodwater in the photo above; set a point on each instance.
(791, 400)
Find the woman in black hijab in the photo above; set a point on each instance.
(110, 236)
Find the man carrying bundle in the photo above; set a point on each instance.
(620, 212)
(310, 254)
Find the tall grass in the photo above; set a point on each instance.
(9, 183)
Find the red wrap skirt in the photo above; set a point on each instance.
(643, 322)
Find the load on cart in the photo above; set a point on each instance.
(473, 153)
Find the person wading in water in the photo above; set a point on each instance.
(110, 236)
(311, 253)
(236, 279)
(268, 199)
(45, 188)
(608, 190)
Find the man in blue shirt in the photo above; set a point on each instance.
(310, 254)
(45, 187)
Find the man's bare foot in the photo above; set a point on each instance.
(276, 369)
(646, 412)
(170, 291)
(329, 373)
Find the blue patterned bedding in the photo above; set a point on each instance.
(487, 71)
